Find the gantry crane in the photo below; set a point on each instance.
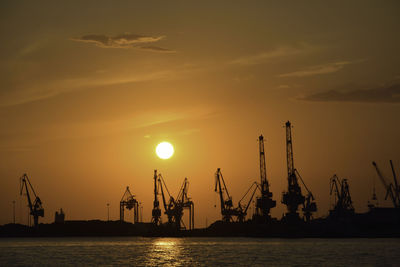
(228, 212)
(343, 204)
(293, 198)
(35, 207)
(264, 203)
(392, 191)
(129, 202)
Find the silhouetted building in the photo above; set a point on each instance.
(59, 217)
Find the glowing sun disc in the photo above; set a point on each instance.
(164, 150)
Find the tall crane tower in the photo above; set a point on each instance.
(35, 207)
(264, 203)
(293, 198)
(129, 202)
(156, 212)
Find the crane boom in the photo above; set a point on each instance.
(171, 199)
(218, 188)
(183, 201)
(389, 187)
(255, 185)
(175, 206)
(396, 185)
(227, 209)
(35, 207)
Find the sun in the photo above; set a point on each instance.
(164, 150)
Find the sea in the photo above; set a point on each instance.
(140, 251)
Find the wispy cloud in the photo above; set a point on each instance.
(127, 40)
(318, 70)
(51, 89)
(156, 49)
(260, 58)
(389, 94)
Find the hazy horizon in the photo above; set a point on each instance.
(89, 89)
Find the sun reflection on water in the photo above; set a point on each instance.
(167, 251)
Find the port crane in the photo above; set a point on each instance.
(228, 212)
(264, 203)
(343, 204)
(35, 207)
(244, 208)
(173, 207)
(392, 191)
(184, 202)
(129, 202)
(309, 205)
(293, 198)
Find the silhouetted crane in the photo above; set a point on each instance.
(227, 209)
(184, 202)
(253, 188)
(129, 202)
(264, 203)
(343, 204)
(35, 207)
(173, 208)
(228, 212)
(309, 205)
(293, 197)
(392, 191)
(156, 212)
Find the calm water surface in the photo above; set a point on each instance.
(138, 251)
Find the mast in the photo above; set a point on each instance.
(156, 212)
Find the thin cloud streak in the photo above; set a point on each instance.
(156, 49)
(278, 52)
(265, 56)
(318, 70)
(389, 94)
(43, 91)
(124, 41)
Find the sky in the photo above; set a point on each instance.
(89, 88)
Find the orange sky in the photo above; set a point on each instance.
(89, 89)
